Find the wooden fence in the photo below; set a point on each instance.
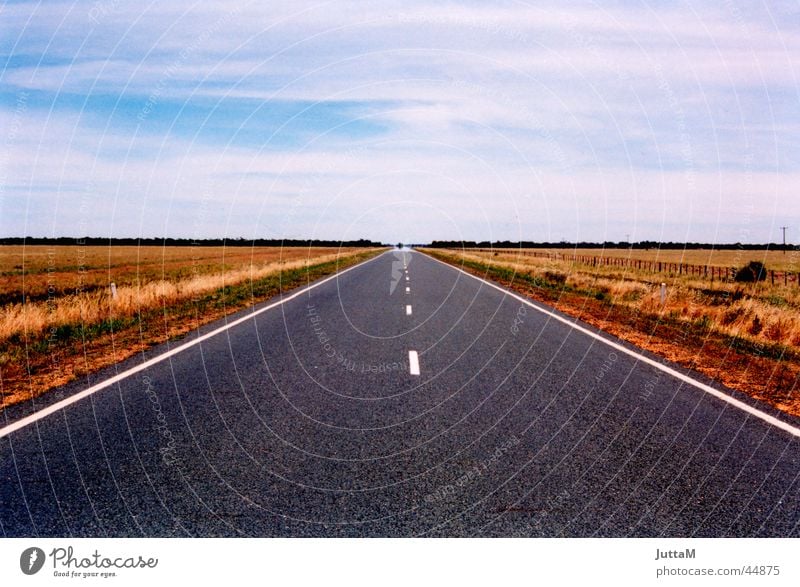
(711, 272)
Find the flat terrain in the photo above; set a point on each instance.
(62, 319)
(307, 419)
(745, 335)
(778, 260)
(34, 271)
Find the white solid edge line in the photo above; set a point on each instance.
(413, 362)
(408, 310)
(785, 426)
(43, 413)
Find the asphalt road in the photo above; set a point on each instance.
(308, 419)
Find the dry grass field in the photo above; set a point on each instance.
(761, 311)
(777, 260)
(60, 318)
(746, 335)
(35, 270)
(63, 285)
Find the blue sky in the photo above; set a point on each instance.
(401, 121)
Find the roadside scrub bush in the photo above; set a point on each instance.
(752, 272)
(555, 277)
(732, 315)
(756, 327)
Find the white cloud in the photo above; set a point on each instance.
(555, 119)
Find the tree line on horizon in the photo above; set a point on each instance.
(184, 242)
(605, 245)
(436, 244)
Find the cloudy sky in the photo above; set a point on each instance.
(403, 121)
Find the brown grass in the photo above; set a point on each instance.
(41, 271)
(153, 285)
(759, 312)
(777, 260)
(59, 334)
(747, 336)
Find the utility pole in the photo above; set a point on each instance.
(783, 228)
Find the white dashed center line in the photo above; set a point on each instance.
(408, 290)
(413, 363)
(408, 310)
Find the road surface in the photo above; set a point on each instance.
(399, 398)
